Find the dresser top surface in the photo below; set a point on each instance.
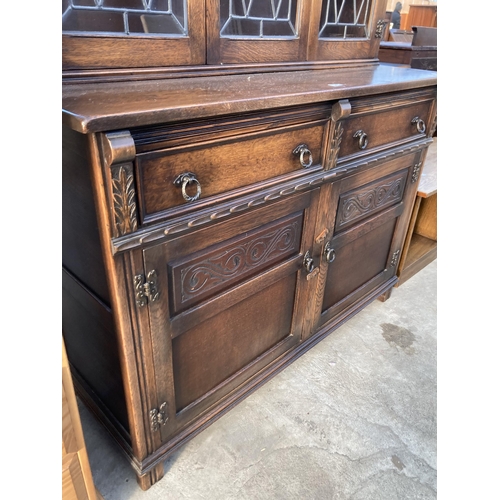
(100, 107)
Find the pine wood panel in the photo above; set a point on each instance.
(420, 247)
(426, 224)
(77, 482)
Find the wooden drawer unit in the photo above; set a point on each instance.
(198, 165)
(381, 122)
(175, 308)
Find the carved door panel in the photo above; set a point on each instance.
(231, 300)
(372, 211)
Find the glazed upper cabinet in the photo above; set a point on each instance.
(118, 34)
(103, 34)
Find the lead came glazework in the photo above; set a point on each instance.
(342, 19)
(125, 17)
(258, 18)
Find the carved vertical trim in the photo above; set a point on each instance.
(118, 151)
(124, 204)
(415, 172)
(340, 111)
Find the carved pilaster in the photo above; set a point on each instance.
(340, 111)
(118, 151)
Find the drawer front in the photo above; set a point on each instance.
(223, 168)
(377, 124)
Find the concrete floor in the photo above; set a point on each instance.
(353, 418)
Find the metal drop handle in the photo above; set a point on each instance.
(329, 253)
(419, 123)
(183, 181)
(302, 151)
(362, 137)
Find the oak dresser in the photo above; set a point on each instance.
(233, 191)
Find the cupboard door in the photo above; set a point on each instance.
(257, 31)
(230, 302)
(114, 34)
(372, 211)
(345, 29)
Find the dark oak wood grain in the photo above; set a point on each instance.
(176, 307)
(109, 106)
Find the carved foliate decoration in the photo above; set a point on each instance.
(360, 203)
(333, 153)
(118, 154)
(124, 204)
(415, 172)
(340, 111)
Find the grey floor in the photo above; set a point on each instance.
(353, 418)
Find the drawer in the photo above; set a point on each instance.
(193, 175)
(386, 121)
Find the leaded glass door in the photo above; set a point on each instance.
(346, 29)
(99, 34)
(257, 31)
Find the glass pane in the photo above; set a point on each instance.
(345, 19)
(258, 18)
(125, 17)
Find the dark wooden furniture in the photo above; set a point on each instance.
(77, 483)
(418, 51)
(219, 219)
(420, 247)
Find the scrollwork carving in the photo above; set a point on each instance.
(360, 203)
(237, 260)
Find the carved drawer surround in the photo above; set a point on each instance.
(182, 273)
